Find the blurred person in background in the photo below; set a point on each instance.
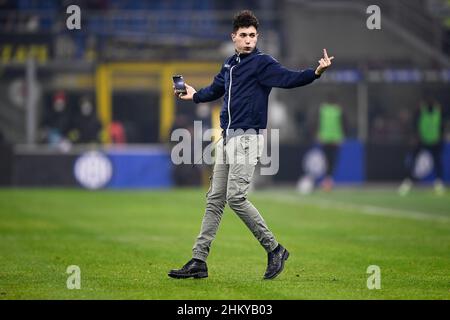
(330, 133)
(428, 128)
(56, 120)
(116, 132)
(86, 126)
(246, 79)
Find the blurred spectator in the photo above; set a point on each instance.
(330, 133)
(86, 126)
(428, 135)
(56, 122)
(116, 132)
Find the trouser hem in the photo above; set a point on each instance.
(199, 256)
(272, 247)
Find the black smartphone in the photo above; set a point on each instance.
(179, 85)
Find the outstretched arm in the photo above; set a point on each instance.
(273, 74)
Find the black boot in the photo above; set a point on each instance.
(275, 262)
(193, 269)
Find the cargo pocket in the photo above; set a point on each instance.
(243, 185)
(248, 149)
(245, 143)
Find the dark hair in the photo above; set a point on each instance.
(245, 19)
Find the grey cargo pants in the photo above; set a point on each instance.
(233, 170)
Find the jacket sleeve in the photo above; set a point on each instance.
(273, 74)
(214, 91)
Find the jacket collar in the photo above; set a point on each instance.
(238, 57)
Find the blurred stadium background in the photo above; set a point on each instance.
(121, 61)
(94, 108)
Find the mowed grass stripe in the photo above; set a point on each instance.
(328, 204)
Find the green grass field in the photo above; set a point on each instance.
(125, 242)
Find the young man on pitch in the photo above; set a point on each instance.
(245, 81)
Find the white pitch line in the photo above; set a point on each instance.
(364, 209)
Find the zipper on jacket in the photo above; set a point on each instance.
(229, 99)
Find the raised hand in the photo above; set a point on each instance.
(324, 63)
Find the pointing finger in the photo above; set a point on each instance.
(325, 54)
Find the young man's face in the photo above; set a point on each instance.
(245, 39)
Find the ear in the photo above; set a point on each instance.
(233, 36)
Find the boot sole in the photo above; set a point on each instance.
(198, 275)
(285, 257)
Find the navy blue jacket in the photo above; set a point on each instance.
(245, 81)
